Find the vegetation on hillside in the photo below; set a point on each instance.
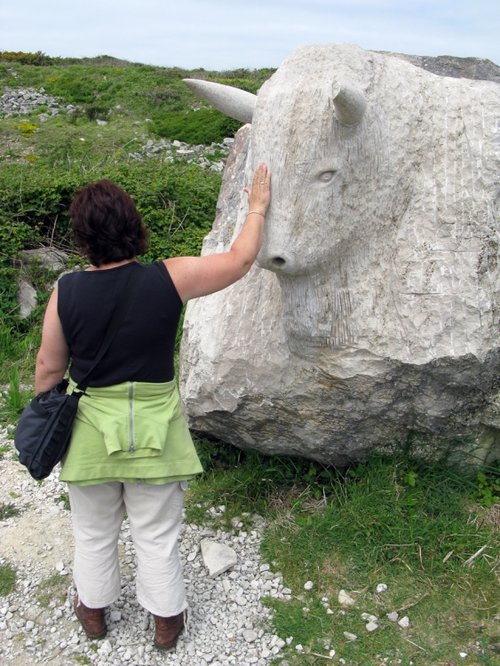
(105, 110)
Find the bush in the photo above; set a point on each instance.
(204, 126)
(23, 58)
(177, 202)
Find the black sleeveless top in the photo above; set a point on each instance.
(143, 347)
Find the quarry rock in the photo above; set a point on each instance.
(48, 257)
(370, 321)
(217, 557)
(26, 298)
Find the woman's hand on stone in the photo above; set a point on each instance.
(259, 194)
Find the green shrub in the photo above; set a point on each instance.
(21, 57)
(177, 202)
(204, 126)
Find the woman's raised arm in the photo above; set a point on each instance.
(199, 276)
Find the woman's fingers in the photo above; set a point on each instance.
(260, 183)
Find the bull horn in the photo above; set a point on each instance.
(232, 101)
(349, 103)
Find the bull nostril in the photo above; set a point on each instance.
(278, 262)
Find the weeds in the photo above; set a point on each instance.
(8, 511)
(51, 589)
(82, 659)
(63, 499)
(487, 491)
(14, 399)
(17, 353)
(7, 579)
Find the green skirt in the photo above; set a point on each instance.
(130, 432)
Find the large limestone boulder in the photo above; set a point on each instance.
(371, 320)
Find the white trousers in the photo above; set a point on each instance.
(155, 516)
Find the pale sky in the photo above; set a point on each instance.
(226, 34)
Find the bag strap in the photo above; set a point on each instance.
(121, 308)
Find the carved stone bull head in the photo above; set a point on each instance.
(371, 181)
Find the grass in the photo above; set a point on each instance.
(4, 448)
(7, 579)
(14, 399)
(409, 525)
(8, 510)
(17, 354)
(82, 659)
(50, 589)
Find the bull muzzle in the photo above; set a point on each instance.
(278, 261)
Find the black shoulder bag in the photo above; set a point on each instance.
(44, 429)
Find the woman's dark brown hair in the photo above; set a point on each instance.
(107, 226)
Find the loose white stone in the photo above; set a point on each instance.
(381, 587)
(349, 636)
(105, 648)
(217, 557)
(404, 622)
(309, 585)
(369, 617)
(371, 626)
(345, 599)
(393, 617)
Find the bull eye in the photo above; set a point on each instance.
(326, 176)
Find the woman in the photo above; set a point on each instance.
(130, 449)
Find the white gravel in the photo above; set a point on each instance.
(228, 623)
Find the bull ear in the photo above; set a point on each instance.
(232, 101)
(349, 103)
